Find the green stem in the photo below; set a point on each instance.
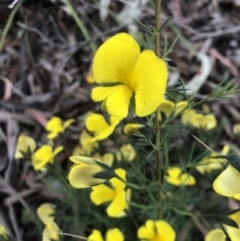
(80, 25)
(157, 125)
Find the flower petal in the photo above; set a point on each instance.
(227, 183)
(165, 231)
(118, 204)
(105, 133)
(114, 234)
(215, 235)
(234, 233)
(68, 123)
(115, 59)
(148, 81)
(50, 232)
(95, 236)
(96, 123)
(24, 144)
(117, 103)
(81, 176)
(166, 107)
(45, 212)
(147, 232)
(102, 92)
(101, 194)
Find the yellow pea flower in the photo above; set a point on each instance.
(156, 230)
(51, 232)
(25, 144)
(3, 232)
(215, 235)
(130, 72)
(98, 125)
(87, 146)
(208, 164)
(127, 152)
(107, 158)
(233, 232)
(45, 212)
(227, 183)
(44, 155)
(236, 129)
(113, 234)
(168, 106)
(82, 173)
(116, 194)
(198, 120)
(56, 127)
(176, 177)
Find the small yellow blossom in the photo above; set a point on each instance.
(113, 234)
(98, 125)
(51, 232)
(45, 213)
(44, 155)
(119, 61)
(82, 173)
(127, 152)
(56, 127)
(236, 129)
(227, 183)
(158, 230)
(233, 232)
(215, 235)
(25, 145)
(116, 194)
(3, 232)
(168, 106)
(208, 164)
(87, 146)
(177, 178)
(198, 120)
(107, 158)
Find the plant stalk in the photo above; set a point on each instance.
(157, 125)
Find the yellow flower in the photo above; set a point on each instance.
(51, 232)
(86, 143)
(126, 71)
(25, 144)
(127, 152)
(234, 233)
(215, 235)
(84, 170)
(56, 127)
(200, 121)
(177, 178)
(101, 129)
(168, 106)
(44, 155)
(208, 164)
(113, 234)
(227, 183)
(107, 158)
(3, 232)
(158, 230)
(236, 129)
(45, 212)
(115, 194)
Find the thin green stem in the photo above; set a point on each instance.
(80, 25)
(157, 125)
